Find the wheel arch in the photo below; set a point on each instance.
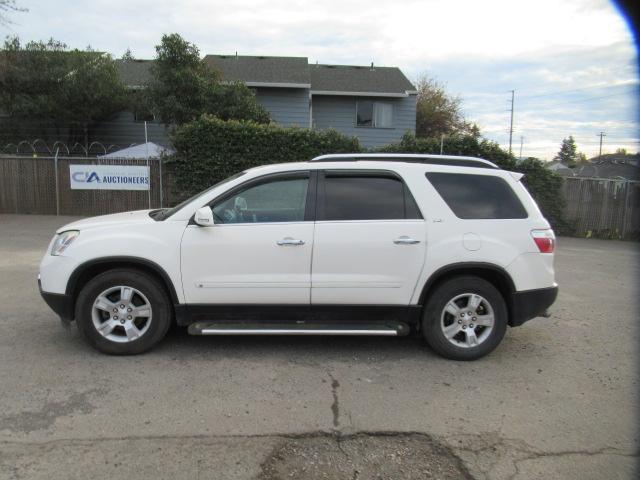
(492, 273)
(86, 271)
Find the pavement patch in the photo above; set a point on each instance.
(392, 456)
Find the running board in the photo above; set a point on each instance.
(389, 329)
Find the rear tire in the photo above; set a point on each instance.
(465, 318)
(123, 312)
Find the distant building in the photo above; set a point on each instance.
(620, 166)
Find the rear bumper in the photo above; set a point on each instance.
(60, 303)
(530, 304)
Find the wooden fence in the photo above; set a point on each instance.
(602, 207)
(41, 185)
(594, 207)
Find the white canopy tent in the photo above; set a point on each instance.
(144, 150)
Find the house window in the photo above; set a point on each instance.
(374, 114)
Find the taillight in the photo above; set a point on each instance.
(545, 240)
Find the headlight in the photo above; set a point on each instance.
(63, 240)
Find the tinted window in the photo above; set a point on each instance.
(477, 196)
(358, 197)
(281, 200)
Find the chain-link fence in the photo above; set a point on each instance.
(42, 185)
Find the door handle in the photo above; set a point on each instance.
(289, 242)
(404, 240)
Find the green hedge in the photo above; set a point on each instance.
(209, 149)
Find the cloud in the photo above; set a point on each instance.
(558, 56)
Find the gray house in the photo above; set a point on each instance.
(375, 104)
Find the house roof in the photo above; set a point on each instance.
(134, 73)
(289, 72)
(347, 79)
(607, 166)
(258, 70)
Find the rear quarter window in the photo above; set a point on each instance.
(477, 197)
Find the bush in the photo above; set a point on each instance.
(546, 187)
(466, 145)
(209, 149)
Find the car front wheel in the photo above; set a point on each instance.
(123, 312)
(465, 318)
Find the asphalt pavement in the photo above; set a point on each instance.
(558, 398)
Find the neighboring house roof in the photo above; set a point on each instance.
(289, 72)
(555, 166)
(606, 167)
(134, 73)
(143, 150)
(258, 71)
(357, 80)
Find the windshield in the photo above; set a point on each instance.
(165, 213)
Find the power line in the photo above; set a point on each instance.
(580, 100)
(593, 87)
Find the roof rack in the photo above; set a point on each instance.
(454, 160)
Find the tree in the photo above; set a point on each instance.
(438, 113)
(568, 154)
(621, 151)
(127, 56)
(9, 6)
(47, 82)
(234, 101)
(184, 87)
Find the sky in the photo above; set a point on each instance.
(573, 64)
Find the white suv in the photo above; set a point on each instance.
(452, 248)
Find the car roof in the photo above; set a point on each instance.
(451, 160)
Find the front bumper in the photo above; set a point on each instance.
(530, 304)
(60, 303)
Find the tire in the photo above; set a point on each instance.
(448, 326)
(145, 301)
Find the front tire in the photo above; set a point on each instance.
(123, 312)
(465, 318)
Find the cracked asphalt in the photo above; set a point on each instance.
(558, 398)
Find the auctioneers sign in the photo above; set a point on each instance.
(109, 177)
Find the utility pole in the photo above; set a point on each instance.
(513, 94)
(521, 142)
(601, 134)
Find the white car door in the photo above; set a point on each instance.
(369, 241)
(259, 250)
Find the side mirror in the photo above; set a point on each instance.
(204, 217)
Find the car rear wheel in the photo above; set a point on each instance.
(465, 318)
(123, 312)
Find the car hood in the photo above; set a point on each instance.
(138, 216)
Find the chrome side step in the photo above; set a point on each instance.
(390, 329)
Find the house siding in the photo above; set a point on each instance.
(287, 107)
(339, 112)
(122, 131)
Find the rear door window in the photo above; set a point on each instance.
(477, 196)
(366, 196)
